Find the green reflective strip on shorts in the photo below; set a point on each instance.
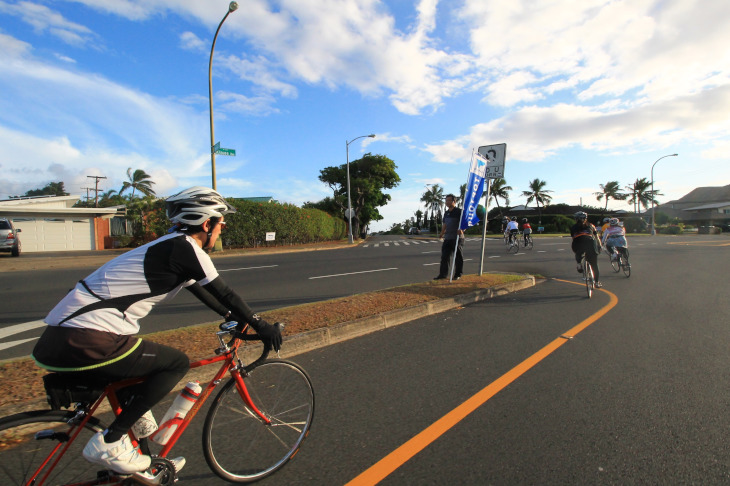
(90, 367)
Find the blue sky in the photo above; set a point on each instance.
(582, 93)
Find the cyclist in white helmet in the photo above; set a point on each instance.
(614, 237)
(91, 333)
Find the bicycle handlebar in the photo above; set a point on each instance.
(239, 330)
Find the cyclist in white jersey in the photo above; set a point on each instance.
(91, 333)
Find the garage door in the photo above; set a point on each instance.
(55, 234)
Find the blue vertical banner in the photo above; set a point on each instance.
(474, 190)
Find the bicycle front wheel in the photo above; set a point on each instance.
(241, 448)
(529, 244)
(31, 441)
(615, 264)
(626, 266)
(588, 275)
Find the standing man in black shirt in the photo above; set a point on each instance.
(453, 240)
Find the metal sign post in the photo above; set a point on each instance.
(496, 155)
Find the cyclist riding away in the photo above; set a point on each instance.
(585, 240)
(91, 333)
(526, 229)
(512, 229)
(614, 237)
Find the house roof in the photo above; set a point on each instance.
(52, 205)
(709, 206)
(704, 195)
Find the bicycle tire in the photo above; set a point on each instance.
(515, 245)
(626, 266)
(237, 445)
(529, 244)
(23, 452)
(588, 275)
(615, 264)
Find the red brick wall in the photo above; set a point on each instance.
(102, 238)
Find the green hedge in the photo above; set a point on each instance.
(293, 225)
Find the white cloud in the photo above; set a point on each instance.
(191, 42)
(533, 133)
(43, 19)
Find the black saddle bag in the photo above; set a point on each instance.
(63, 389)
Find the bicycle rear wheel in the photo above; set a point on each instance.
(529, 244)
(514, 247)
(28, 439)
(238, 446)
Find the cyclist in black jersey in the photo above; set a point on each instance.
(585, 240)
(91, 333)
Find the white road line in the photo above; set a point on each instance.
(15, 343)
(434, 251)
(386, 244)
(495, 256)
(353, 273)
(427, 264)
(541, 251)
(18, 328)
(246, 268)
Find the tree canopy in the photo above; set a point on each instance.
(369, 177)
(139, 180)
(51, 189)
(539, 194)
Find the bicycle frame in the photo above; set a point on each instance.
(227, 354)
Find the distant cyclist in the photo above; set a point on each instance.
(604, 226)
(614, 237)
(512, 229)
(526, 229)
(585, 240)
(92, 333)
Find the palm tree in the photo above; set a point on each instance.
(539, 194)
(610, 190)
(500, 190)
(641, 195)
(140, 181)
(434, 200)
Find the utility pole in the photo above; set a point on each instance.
(87, 192)
(96, 189)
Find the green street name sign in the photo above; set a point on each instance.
(225, 151)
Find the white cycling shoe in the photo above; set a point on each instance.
(120, 456)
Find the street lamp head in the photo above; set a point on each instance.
(372, 135)
(233, 6)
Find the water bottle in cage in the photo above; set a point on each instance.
(175, 415)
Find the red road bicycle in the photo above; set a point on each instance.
(256, 423)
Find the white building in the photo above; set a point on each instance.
(51, 223)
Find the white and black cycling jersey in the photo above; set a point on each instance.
(117, 295)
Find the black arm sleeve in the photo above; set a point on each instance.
(220, 290)
(204, 296)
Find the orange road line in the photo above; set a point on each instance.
(380, 470)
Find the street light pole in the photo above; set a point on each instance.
(231, 7)
(653, 231)
(349, 200)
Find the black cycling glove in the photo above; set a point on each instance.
(270, 335)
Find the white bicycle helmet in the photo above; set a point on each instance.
(580, 216)
(195, 205)
(613, 221)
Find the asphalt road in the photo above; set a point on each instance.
(638, 396)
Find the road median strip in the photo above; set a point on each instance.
(23, 374)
